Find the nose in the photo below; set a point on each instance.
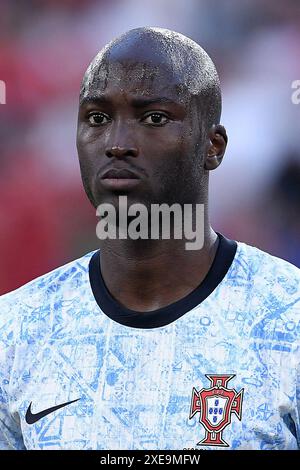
(121, 143)
(120, 152)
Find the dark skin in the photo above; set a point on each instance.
(166, 144)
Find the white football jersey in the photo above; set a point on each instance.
(218, 369)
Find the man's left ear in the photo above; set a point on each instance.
(217, 146)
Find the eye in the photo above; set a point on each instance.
(98, 119)
(156, 119)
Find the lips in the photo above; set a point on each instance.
(119, 174)
(119, 179)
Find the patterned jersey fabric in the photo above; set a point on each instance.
(218, 369)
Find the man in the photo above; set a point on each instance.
(145, 344)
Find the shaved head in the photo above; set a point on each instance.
(166, 52)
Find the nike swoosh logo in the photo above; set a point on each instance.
(32, 418)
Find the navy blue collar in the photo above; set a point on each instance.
(163, 316)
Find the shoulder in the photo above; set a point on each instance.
(33, 302)
(270, 285)
(267, 270)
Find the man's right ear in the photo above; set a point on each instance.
(217, 146)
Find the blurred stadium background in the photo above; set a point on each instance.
(45, 47)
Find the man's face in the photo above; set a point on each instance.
(139, 135)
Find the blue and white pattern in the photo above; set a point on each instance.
(135, 385)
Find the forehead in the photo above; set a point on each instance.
(135, 76)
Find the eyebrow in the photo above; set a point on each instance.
(142, 102)
(94, 99)
(137, 102)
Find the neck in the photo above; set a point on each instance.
(145, 275)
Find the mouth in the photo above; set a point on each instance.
(119, 174)
(121, 179)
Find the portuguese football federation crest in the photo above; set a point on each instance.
(216, 406)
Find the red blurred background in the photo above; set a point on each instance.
(45, 47)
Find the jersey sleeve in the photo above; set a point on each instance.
(10, 429)
(297, 420)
